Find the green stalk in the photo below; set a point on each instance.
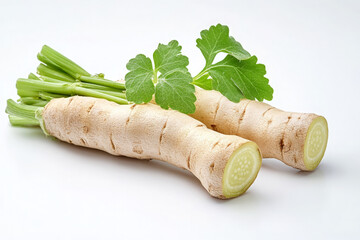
(52, 80)
(33, 101)
(49, 63)
(97, 87)
(21, 110)
(65, 89)
(33, 76)
(61, 68)
(200, 74)
(48, 96)
(103, 82)
(23, 122)
(43, 95)
(113, 93)
(47, 71)
(63, 62)
(98, 94)
(27, 93)
(80, 84)
(41, 86)
(59, 77)
(155, 78)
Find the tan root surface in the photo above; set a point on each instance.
(149, 132)
(279, 134)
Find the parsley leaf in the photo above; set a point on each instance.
(139, 85)
(175, 91)
(168, 57)
(216, 40)
(166, 78)
(236, 79)
(172, 88)
(238, 75)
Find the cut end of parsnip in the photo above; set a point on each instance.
(241, 170)
(315, 143)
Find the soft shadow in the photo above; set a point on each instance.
(326, 166)
(28, 132)
(327, 169)
(276, 165)
(250, 199)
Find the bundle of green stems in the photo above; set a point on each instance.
(57, 76)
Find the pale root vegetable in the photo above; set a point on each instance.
(297, 139)
(226, 165)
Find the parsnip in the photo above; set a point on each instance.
(226, 165)
(297, 139)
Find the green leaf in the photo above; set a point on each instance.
(236, 79)
(139, 85)
(168, 57)
(174, 88)
(205, 82)
(175, 91)
(216, 40)
(238, 75)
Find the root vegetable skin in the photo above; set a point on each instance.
(149, 132)
(279, 134)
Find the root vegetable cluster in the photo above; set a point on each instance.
(210, 125)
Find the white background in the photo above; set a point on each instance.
(52, 190)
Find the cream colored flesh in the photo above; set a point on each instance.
(148, 132)
(241, 170)
(315, 143)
